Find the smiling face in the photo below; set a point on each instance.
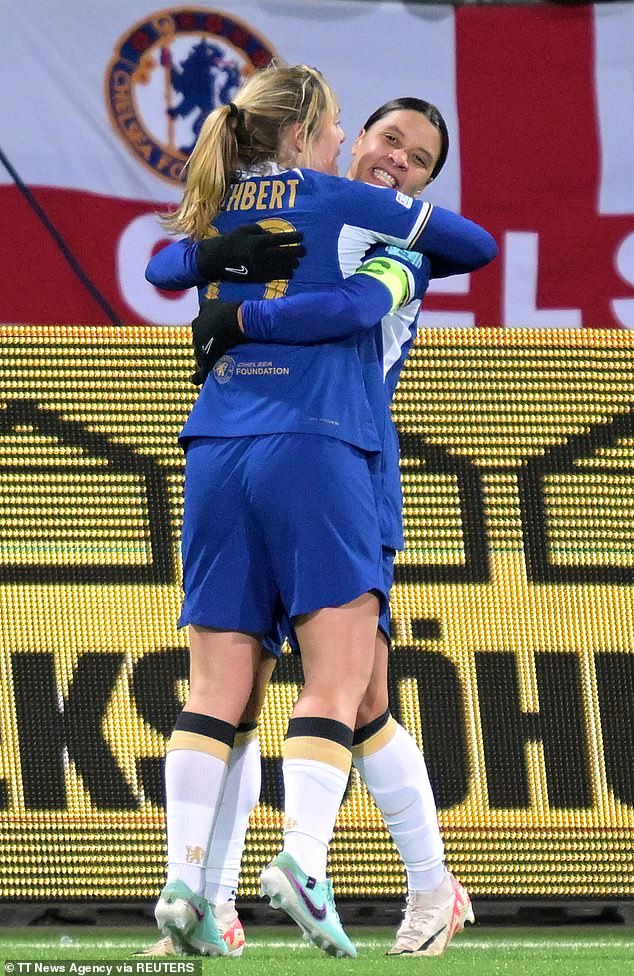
(399, 151)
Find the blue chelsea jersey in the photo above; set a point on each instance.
(453, 245)
(261, 388)
(323, 314)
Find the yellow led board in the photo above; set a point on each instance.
(513, 659)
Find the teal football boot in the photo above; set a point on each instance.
(309, 903)
(188, 920)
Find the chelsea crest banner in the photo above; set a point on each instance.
(100, 108)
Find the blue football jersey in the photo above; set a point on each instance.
(263, 388)
(353, 373)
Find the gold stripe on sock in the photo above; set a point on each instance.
(242, 738)
(199, 743)
(376, 741)
(318, 749)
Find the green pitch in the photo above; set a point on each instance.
(478, 951)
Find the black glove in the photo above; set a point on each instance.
(250, 253)
(214, 330)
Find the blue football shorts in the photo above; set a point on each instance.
(283, 629)
(387, 564)
(274, 524)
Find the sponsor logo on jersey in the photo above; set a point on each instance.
(404, 199)
(169, 71)
(226, 368)
(266, 368)
(412, 257)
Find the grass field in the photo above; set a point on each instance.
(480, 951)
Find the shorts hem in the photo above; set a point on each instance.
(187, 620)
(378, 591)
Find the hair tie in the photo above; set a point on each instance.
(234, 111)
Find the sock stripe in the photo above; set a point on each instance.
(203, 733)
(246, 732)
(375, 740)
(322, 728)
(207, 725)
(199, 743)
(319, 750)
(365, 731)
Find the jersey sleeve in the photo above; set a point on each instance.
(174, 268)
(454, 243)
(357, 304)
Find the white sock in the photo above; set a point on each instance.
(194, 781)
(240, 795)
(394, 771)
(313, 792)
(316, 763)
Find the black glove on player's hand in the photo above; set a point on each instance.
(214, 330)
(250, 253)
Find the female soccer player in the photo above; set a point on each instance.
(240, 514)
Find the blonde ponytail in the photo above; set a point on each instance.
(247, 133)
(213, 159)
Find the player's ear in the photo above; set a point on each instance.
(291, 144)
(297, 136)
(355, 145)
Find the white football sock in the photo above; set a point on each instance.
(316, 766)
(313, 792)
(394, 772)
(194, 781)
(240, 795)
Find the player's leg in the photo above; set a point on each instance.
(199, 752)
(316, 766)
(393, 769)
(228, 599)
(330, 579)
(240, 796)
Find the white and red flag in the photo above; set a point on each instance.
(100, 103)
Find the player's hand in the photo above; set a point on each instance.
(250, 253)
(214, 330)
